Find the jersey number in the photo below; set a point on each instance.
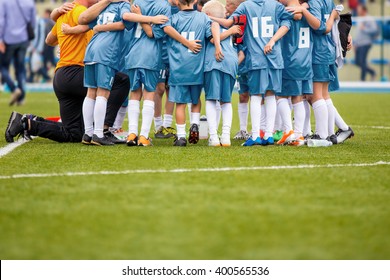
(189, 36)
(304, 38)
(106, 18)
(267, 29)
(138, 31)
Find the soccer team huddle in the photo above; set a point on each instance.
(283, 55)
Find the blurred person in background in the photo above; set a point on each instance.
(14, 17)
(367, 31)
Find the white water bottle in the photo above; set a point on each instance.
(318, 143)
(203, 128)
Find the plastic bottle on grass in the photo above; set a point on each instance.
(318, 143)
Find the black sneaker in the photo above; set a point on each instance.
(86, 140)
(332, 138)
(315, 137)
(343, 135)
(108, 134)
(104, 141)
(180, 142)
(193, 138)
(14, 127)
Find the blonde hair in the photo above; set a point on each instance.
(214, 8)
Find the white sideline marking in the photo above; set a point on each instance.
(371, 126)
(222, 169)
(10, 147)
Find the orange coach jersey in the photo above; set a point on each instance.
(72, 47)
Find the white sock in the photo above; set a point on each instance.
(189, 106)
(120, 117)
(270, 107)
(218, 109)
(211, 113)
(99, 115)
(263, 118)
(331, 116)
(340, 123)
(158, 122)
(133, 114)
(321, 115)
(227, 118)
(299, 118)
(195, 118)
(307, 123)
(167, 120)
(243, 115)
(181, 130)
(255, 115)
(147, 117)
(88, 108)
(285, 114)
(278, 121)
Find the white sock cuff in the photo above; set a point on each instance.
(298, 104)
(319, 103)
(148, 103)
(329, 102)
(270, 98)
(101, 98)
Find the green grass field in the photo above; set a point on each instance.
(334, 212)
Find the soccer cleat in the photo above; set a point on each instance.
(269, 141)
(241, 135)
(120, 134)
(250, 142)
(300, 141)
(214, 142)
(144, 142)
(225, 140)
(332, 138)
(287, 138)
(277, 135)
(108, 134)
(86, 140)
(132, 140)
(193, 138)
(163, 133)
(343, 135)
(262, 133)
(180, 142)
(104, 141)
(14, 128)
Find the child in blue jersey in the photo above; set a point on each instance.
(297, 78)
(186, 60)
(267, 22)
(219, 79)
(143, 63)
(163, 123)
(320, 17)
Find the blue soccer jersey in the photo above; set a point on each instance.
(104, 47)
(186, 67)
(297, 47)
(164, 51)
(229, 64)
(145, 52)
(324, 50)
(264, 18)
(242, 69)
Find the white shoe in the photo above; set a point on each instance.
(225, 140)
(214, 142)
(241, 135)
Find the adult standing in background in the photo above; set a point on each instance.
(367, 32)
(14, 17)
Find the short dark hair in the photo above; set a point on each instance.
(186, 2)
(202, 2)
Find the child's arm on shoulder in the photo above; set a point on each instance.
(78, 29)
(145, 26)
(193, 46)
(57, 12)
(297, 16)
(279, 34)
(314, 22)
(113, 26)
(234, 30)
(227, 23)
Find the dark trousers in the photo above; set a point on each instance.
(361, 61)
(70, 92)
(17, 54)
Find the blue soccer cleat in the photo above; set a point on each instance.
(250, 142)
